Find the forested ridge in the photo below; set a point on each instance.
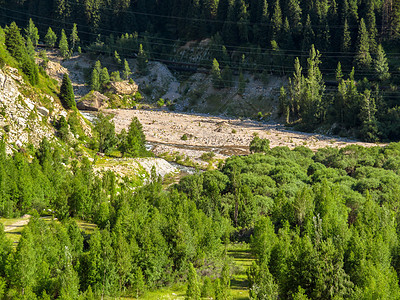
(320, 225)
(353, 46)
(247, 27)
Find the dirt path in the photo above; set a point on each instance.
(223, 136)
(18, 224)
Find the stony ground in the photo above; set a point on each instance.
(223, 136)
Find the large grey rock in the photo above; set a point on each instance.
(43, 111)
(93, 101)
(123, 88)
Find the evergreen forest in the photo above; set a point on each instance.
(352, 46)
(321, 224)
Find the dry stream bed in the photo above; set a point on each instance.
(192, 135)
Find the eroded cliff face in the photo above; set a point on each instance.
(26, 115)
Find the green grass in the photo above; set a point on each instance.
(242, 259)
(13, 235)
(86, 227)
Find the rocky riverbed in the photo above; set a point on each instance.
(193, 135)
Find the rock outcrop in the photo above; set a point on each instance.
(25, 116)
(93, 101)
(123, 87)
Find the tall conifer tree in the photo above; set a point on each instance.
(32, 32)
(67, 96)
(63, 45)
(363, 57)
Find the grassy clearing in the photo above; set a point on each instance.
(13, 233)
(242, 259)
(86, 227)
(18, 224)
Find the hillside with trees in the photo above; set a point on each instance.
(320, 224)
(352, 45)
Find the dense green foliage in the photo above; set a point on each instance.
(132, 143)
(354, 107)
(324, 225)
(67, 95)
(143, 239)
(15, 45)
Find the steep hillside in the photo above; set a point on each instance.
(188, 92)
(27, 114)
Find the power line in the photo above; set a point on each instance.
(268, 66)
(181, 41)
(262, 65)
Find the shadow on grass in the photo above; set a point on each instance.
(239, 284)
(240, 254)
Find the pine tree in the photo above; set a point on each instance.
(74, 38)
(222, 12)
(294, 16)
(369, 127)
(315, 86)
(308, 35)
(226, 277)
(104, 77)
(261, 15)
(339, 74)
(115, 76)
(32, 32)
(95, 80)
(381, 66)
(296, 89)
(139, 286)
(30, 48)
(193, 289)
(97, 66)
(24, 262)
(241, 16)
(105, 132)
(142, 60)
(14, 41)
(284, 107)
(230, 30)
(117, 59)
(363, 57)
(276, 21)
(132, 143)
(264, 286)
(287, 42)
(346, 38)
(127, 70)
(30, 68)
(63, 45)
(370, 22)
(67, 96)
(216, 74)
(50, 38)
